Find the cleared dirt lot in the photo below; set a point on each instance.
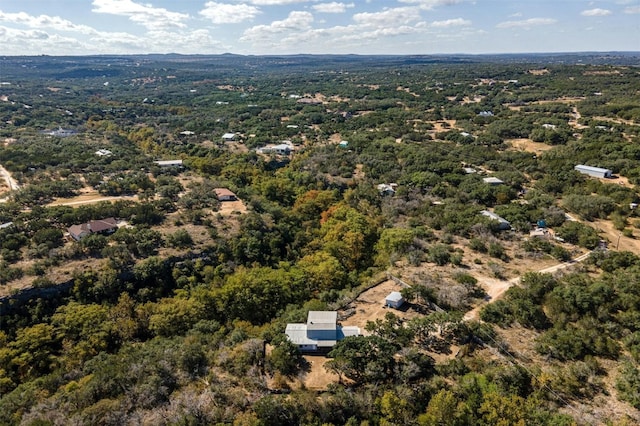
(231, 207)
(370, 306)
(528, 145)
(317, 377)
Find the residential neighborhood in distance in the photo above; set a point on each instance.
(319, 239)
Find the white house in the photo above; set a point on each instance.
(284, 148)
(594, 171)
(320, 333)
(103, 153)
(394, 300)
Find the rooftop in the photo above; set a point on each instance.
(492, 180)
(591, 168)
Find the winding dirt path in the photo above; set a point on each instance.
(495, 288)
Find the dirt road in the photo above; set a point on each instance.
(89, 199)
(12, 184)
(495, 288)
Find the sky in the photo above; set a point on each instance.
(273, 27)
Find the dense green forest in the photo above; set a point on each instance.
(178, 316)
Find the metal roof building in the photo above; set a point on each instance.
(594, 171)
(321, 332)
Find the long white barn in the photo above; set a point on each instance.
(594, 171)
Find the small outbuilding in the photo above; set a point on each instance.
(491, 180)
(394, 300)
(594, 171)
(224, 194)
(229, 137)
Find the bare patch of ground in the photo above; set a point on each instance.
(358, 172)
(612, 72)
(317, 377)
(370, 306)
(560, 100)
(232, 207)
(617, 121)
(408, 90)
(617, 241)
(4, 189)
(467, 100)
(539, 72)
(8, 179)
(335, 138)
(89, 198)
(528, 145)
(444, 125)
(236, 147)
(59, 274)
(494, 288)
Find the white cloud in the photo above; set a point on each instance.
(430, 4)
(296, 21)
(195, 41)
(458, 22)
(222, 13)
(333, 7)
(44, 21)
(388, 17)
(276, 2)
(150, 17)
(17, 42)
(527, 23)
(296, 33)
(57, 36)
(631, 10)
(595, 12)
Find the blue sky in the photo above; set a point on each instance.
(80, 27)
